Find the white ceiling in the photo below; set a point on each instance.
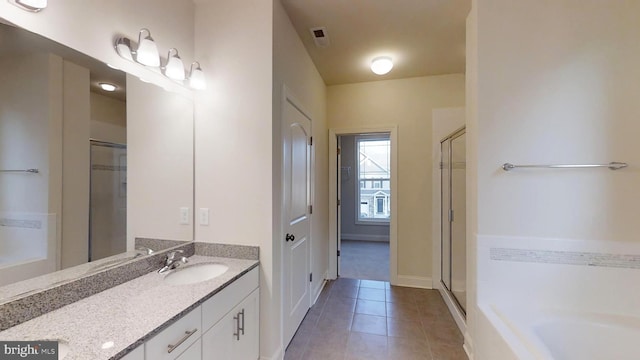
(424, 37)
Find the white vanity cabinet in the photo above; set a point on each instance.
(175, 339)
(226, 326)
(233, 335)
(136, 354)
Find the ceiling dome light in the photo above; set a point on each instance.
(381, 65)
(174, 68)
(108, 87)
(147, 52)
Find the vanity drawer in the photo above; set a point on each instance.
(174, 340)
(221, 303)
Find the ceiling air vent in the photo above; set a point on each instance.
(320, 36)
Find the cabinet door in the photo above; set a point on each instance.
(248, 345)
(227, 340)
(194, 352)
(217, 342)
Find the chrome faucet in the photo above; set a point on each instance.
(172, 261)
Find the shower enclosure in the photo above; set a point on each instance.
(453, 216)
(108, 200)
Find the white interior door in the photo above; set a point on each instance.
(297, 222)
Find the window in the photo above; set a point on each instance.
(374, 173)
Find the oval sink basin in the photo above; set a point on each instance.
(195, 273)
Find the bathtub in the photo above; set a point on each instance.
(557, 334)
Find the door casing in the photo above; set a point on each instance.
(392, 129)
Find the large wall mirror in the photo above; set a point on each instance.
(84, 171)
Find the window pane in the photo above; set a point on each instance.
(374, 172)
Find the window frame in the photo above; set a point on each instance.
(387, 198)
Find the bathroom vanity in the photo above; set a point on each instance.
(151, 317)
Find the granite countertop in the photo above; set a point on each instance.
(126, 315)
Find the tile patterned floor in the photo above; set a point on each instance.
(364, 260)
(364, 319)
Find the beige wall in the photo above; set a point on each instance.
(407, 103)
(30, 129)
(159, 162)
(233, 142)
(108, 119)
(75, 165)
(575, 103)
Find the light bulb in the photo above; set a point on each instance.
(196, 78)
(174, 69)
(147, 52)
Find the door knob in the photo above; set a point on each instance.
(289, 237)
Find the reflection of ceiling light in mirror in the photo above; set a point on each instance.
(174, 68)
(147, 51)
(381, 65)
(108, 87)
(196, 77)
(31, 5)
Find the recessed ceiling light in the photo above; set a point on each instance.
(108, 87)
(381, 65)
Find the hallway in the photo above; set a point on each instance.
(364, 260)
(363, 319)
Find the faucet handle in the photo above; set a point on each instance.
(172, 255)
(145, 249)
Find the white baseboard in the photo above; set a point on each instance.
(415, 281)
(278, 355)
(365, 237)
(468, 345)
(315, 293)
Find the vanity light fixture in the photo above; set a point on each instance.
(31, 5)
(196, 77)
(381, 65)
(123, 48)
(146, 53)
(174, 68)
(108, 87)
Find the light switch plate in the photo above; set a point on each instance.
(184, 216)
(204, 216)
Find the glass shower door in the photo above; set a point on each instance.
(108, 217)
(453, 215)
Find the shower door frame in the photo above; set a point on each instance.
(449, 138)
(105, 144)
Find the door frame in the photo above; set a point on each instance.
(392, 129)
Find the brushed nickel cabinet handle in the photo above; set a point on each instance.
(187, 334)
